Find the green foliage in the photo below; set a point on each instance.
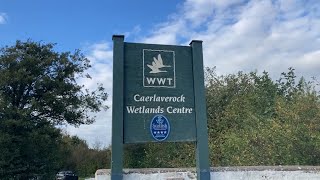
(159, 155)
(38, 90)
(81, 159)
(255, 121)
(37, 82)
(28, 153)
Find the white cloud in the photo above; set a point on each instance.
(197, 11)
(309, 61)
(255, 20)
(3, 18)
(248, 35)
(166, 33)
(291, 8)
(135, 31)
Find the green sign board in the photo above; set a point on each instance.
(158, 96)
(158, 80)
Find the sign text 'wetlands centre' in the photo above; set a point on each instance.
(158, 93)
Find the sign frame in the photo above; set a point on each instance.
(202, 149)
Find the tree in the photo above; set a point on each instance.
(39, 90)
(254, 120)
(81, 159)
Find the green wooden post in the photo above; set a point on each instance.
(117, 108)
(202, 151)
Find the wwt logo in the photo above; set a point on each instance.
(159, 68)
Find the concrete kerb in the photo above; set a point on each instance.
(239, 172)
(267, 168)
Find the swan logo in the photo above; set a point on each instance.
(159, 68)
(157, 64)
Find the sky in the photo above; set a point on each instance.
(237, 35)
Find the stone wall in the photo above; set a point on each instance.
(220, 173)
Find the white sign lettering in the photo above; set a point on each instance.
(156, 98)
(159, 109)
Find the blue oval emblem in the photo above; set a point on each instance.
(159, 127)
